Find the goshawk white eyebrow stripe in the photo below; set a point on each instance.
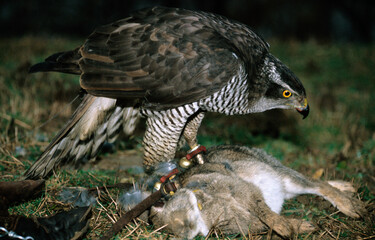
(275, 76)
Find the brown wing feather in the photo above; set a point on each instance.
(165, 57)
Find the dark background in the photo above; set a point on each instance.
(323, 20)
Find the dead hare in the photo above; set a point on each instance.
(241, 188)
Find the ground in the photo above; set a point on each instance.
(336, 141)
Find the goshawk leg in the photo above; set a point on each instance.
(191, 131)
(164, 128)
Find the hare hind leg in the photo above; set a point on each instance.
(336, 192)
(347, 204)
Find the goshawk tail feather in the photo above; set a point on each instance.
(96, 120)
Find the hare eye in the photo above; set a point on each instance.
(287, 93)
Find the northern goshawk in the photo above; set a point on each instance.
(171, 66)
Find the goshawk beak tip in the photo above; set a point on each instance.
(304, 111)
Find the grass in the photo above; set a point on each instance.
(337, 139)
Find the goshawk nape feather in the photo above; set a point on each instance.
(169, 65)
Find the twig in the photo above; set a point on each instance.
(239, 227)
(131, 232)
(116, 185)
(16, 161)
(329, 233)
(16, 121)
(153, 232)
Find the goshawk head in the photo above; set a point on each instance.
(277, 87)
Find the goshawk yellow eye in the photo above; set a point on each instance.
(287, 93)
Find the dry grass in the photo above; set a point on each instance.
(337, 141)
